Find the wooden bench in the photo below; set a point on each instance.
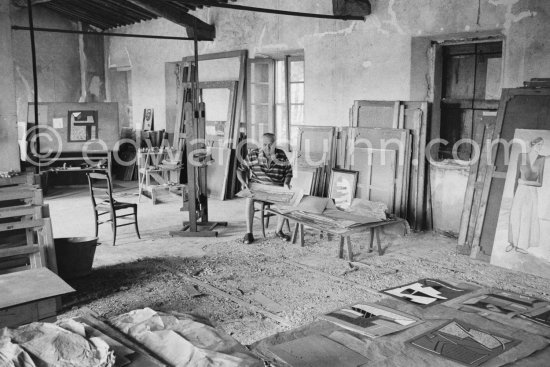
(344, 234)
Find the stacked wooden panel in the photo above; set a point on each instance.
(316, 154)
(27, 250)
(519, 108)
(386, 143)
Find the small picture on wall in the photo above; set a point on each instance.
(148, 119)
(82, 126)
(343, 184)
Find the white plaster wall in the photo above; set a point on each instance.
(345, 60)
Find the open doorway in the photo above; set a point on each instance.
(467, 87)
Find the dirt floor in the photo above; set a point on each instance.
(292, 282)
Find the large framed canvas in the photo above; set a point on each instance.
(343, 184)
(523, 228)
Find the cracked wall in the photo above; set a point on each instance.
(348, 60)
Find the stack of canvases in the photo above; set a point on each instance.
(314, 159)
(506, 208)
(386, 144)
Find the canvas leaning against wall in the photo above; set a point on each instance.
(523, 229)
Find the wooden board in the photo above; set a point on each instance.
(218, 173)
(107, 129)
(519, 108)
(415, 118)
(28, 312)
(32, 285)
(303, 182)
(341, 147)
(377, 175)
(373, 114)
(316, 146)
(389, 139)
(479, 131)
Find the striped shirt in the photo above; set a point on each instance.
(275, 172)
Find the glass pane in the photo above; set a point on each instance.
(296, 114)
(259, 115)
(260, 93)
(297, 93)
(281, 124)
(492, 84)
(280, 82)
(260, 72)
(297, 71)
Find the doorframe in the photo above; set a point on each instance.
(436, 68)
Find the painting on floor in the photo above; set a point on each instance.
(463, 343)
(523, 229)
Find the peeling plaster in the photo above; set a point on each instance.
(30, 92)
(511, 17)
(393, 18)
(344, 32)
(261, 47)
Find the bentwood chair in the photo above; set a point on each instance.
(101, 192)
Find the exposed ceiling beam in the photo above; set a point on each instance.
(205, 31)
(351, 7)
(101, 34)
(23, 3)
(215, 4)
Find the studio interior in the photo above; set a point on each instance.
(315, 183)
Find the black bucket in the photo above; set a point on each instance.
(75, 256)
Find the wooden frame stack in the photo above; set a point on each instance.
(29, 289)
(316, 153)
(518, 109)
(404, 122)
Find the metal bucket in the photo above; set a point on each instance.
(75, 256)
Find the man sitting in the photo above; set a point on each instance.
(267, 166)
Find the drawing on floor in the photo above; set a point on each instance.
(463, 343)
(524, 219)
(503, 302)
(540, 315)
(426, 292)
(371, 320)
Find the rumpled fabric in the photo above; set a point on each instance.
(181, 340)
(49, 345)
(370, 209)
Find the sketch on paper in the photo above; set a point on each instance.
(524, 218)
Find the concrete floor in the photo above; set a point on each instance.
(72, 216)
(303, 282)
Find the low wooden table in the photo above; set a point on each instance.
(343, 233)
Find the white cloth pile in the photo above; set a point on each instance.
(52, 345)
(182, 340)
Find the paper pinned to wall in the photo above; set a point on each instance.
(57, 123)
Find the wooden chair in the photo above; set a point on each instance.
(265, 215)
(101, 192)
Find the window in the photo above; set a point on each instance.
(276, 90)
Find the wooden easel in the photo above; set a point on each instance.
(193, 117)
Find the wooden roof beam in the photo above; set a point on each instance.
(215, 4)
(23, 3)
(205, 31)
